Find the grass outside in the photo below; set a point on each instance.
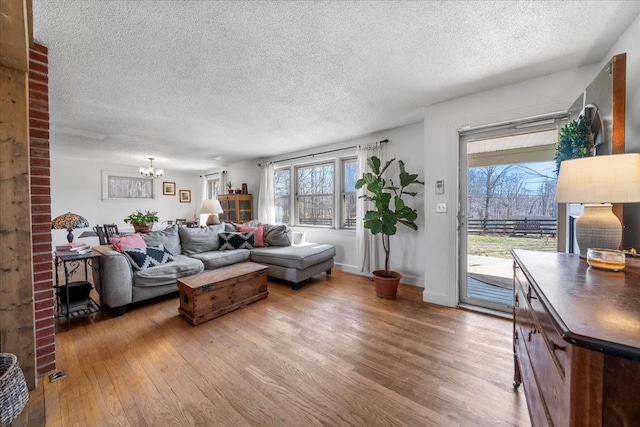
(500, 246)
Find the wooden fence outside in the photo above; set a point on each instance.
(513, 227)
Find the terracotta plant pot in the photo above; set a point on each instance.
(386, 286)
(144, 228)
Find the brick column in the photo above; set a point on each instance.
(40, 168)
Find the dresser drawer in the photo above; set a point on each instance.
(547, 370)
(557, 346)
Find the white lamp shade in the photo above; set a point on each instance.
(211, 206)
(601, 179)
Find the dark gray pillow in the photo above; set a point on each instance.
(278, 235)
(168, 238)
(198, 240)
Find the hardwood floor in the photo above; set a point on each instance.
(331, 353)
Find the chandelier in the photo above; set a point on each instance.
(150, 172)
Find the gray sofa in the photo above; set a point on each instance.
(196, 250)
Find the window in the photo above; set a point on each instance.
(213, 187)
(282, 189)
(314, 195)
(349, 195)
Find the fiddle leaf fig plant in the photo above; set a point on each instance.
(389, 205)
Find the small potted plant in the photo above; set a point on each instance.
(389, 209)
(575, 141)
(230, 187)
(142, 222)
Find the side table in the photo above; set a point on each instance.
(73, 299)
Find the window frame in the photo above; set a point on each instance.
(337, 160)
(289, 197)
(344, 193)
(296, 196)
(213, 186)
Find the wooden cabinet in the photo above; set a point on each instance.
(236, 207)
(576, 340)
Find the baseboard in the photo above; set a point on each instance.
(440, 299)
(406, 279)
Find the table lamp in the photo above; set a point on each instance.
(69, 221)
(599, 181)
(213, 208)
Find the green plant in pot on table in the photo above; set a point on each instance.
(142, 221)
(389, 210)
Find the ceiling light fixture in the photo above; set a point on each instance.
(150, 172)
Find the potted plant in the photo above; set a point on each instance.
(575, 141)
(389, 210)
(230, 187)
(142, 222)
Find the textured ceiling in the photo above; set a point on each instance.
(199, 84)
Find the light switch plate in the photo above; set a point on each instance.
(441, 207)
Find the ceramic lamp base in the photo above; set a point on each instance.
(598, 227)
(213, 219)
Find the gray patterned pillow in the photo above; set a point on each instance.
(142, 258)
(230, 241)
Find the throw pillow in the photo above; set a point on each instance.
(198, 240)
(278, 235)
(150, 256)
(229, 240)
(258, 233)
(168, 238)
(131, 241)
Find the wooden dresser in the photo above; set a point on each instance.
(576, 340)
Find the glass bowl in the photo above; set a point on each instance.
(606, 259)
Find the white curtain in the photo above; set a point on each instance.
(205, 183)
(368, 246)
(266, 196)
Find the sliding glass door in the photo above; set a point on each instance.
(507, 200)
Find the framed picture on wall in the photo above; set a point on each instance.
(168, 188)
(185, 196)
(123, 185)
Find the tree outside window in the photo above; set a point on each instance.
(315, 194)
(282, 189)
(349, 195)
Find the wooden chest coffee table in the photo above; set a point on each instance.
(213, 293)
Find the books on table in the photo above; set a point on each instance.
(73, 247)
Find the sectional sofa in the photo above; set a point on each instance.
(131, 275)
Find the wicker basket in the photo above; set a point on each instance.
(14, 394)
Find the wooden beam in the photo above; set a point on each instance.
(14, 42)
(17, 325)
(618, 101)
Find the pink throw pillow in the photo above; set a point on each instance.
(258, 234)
(132, 241)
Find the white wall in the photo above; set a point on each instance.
(538, 96)
(76, 186)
